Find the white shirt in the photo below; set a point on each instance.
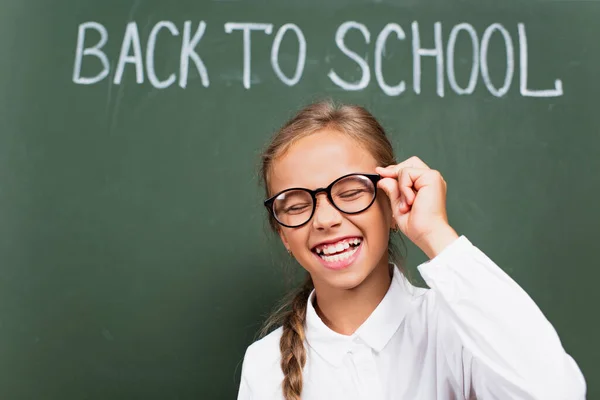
(474, 335)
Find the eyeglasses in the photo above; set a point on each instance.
(350, 194)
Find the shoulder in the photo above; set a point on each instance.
(265, 350)
(423, 309)
(429, 318)
(261, 369)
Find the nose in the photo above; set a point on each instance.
(326, 215)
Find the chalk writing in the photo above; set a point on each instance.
(450, 58)
(150, 54)
(131, 55)
(247, 27)
(301, 54)
(362, 63)
(379, 48)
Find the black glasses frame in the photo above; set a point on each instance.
(313, 194)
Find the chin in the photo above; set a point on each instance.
(344, 278)
(347, 281)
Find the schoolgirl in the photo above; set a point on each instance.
(358, 329)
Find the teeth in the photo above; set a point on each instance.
(338, 247)
(339, 257)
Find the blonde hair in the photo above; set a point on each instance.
(360, 125)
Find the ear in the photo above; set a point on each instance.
(393, 224)
(387, 211)
(283, 239)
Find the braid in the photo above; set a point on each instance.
(293, 353)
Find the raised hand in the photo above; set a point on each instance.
(417, 196)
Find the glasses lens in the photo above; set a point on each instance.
(293, 207)
(353, 194)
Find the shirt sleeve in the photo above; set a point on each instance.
(244, 392)
(512, 350)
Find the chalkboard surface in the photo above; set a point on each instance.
(134, 256)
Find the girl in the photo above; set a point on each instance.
(358, 329)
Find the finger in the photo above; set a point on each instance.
(391, 189)
(406, 183)
(397, 199)
(406, 180)
(429, 178)
(416, 162)
(387, 172)
(424, 177)
(412, 162)
(410, 181)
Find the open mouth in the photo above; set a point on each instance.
(339, 251)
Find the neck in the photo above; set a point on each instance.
(345, 310)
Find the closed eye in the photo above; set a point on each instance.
(296, 209)
(350, 193)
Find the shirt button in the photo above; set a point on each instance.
(357, 340)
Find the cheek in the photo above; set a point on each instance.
(297, 239)
(384, 209)
(377, 225)
(374, 223)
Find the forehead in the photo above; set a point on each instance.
(317, 160)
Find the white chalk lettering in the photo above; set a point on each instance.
(247, 27)
(301, 54)
(188, 50)
(379, 50)
(150, 47)
(510, 61)
(132, 37)
(450, 61)
(523, 52)
(437, 52)
(339, 40)
(93, 39)
(80, 52)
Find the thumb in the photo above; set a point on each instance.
(392, 190)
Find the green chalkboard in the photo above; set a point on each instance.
(135, 261)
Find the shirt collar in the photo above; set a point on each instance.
(375, 332)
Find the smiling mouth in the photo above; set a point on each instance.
(339, 251)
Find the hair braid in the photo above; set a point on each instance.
(293, 353)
